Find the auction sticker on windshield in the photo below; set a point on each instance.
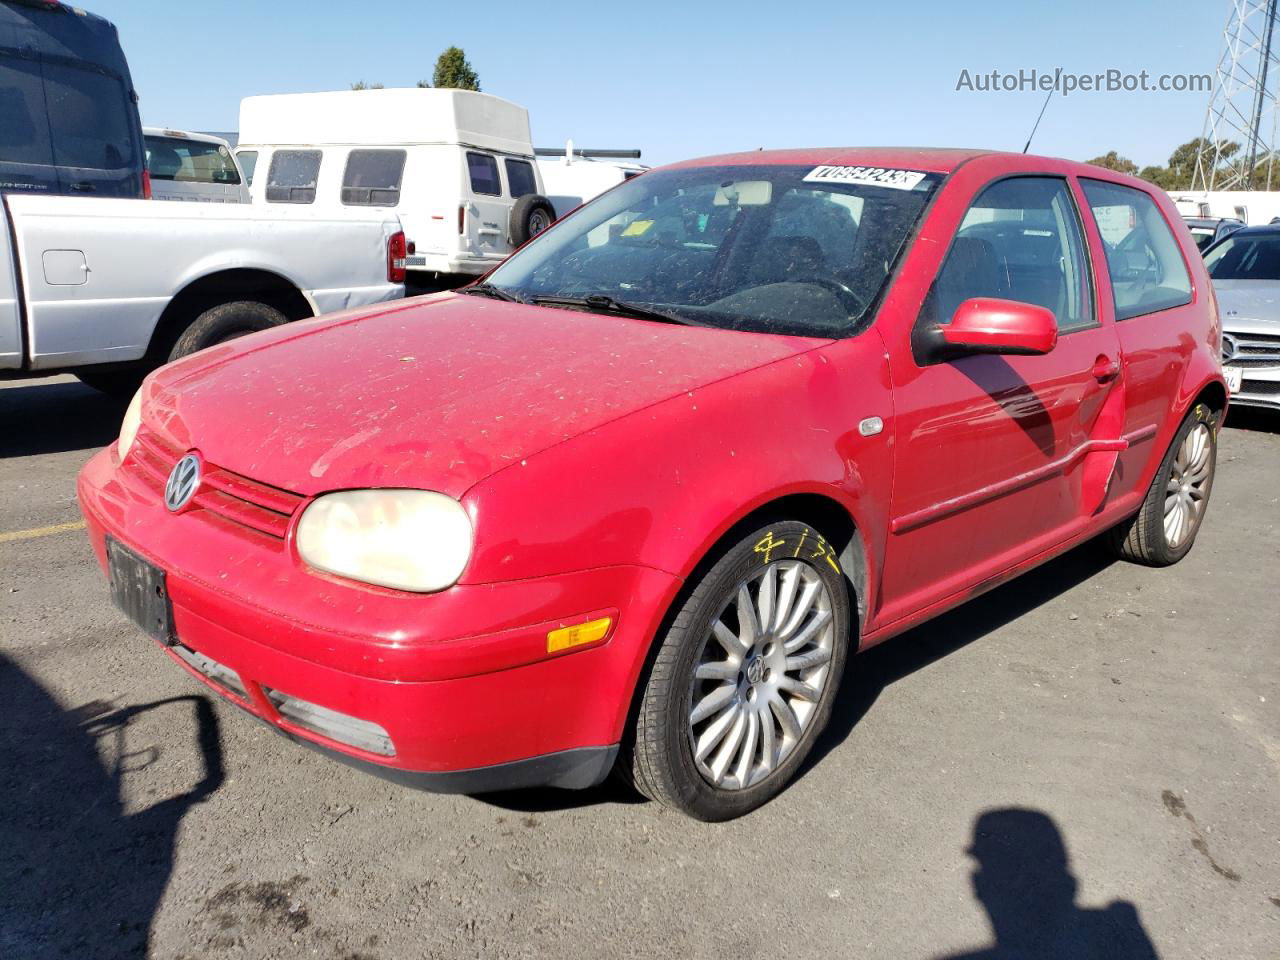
(873, 176)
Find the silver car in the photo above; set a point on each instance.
(1245, 268)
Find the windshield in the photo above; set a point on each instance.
(190, 161)
(1245, 258)
(777, 249)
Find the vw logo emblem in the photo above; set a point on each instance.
(183, 482)
(1229, 347)
(755, 671)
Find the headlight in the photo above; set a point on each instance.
(405, 539)
(129, 426)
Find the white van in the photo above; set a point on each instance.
(572, 176)
(457, 167)
(192, 166)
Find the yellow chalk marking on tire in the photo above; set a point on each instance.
(41, 531)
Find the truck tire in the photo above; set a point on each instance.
(227, 321)
(119, 384)
(531, 215)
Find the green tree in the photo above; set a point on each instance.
(361, 85)
(453, 71)
(1113, 161)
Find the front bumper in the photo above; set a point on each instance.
(460, 681)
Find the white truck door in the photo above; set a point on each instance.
(489, 209)
(10, 311)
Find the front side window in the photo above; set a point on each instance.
(190, 161)
(769, 248)
(293, 175)
(372, 178)
(248, 163)
(520, 179)
(1020, 240)
(484, 175)
(1245, 257)
(1147, 270)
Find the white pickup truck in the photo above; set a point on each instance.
(108, 289)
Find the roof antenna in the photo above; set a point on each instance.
(1057, 77)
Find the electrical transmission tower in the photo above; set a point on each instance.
(1237, 147)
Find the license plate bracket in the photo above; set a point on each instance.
(139, 589)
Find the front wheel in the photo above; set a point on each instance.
(744, 679)
(1163, 530)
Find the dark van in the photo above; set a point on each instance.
(68, 111)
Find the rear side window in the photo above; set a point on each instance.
(70, 117)
(292, 176)
(520, 180)
(190, 161)
(1020, 240)
(1147, 270)
(484, 174)
(372, 178)
(248, 163)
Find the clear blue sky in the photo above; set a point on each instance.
(691, 78)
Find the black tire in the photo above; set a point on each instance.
(119, 384)
(658, 754)
(1143, 538)
(531, 215)
(227, 321)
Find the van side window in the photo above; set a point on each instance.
(372, 178)
(1020, 240)
(484, 174)
(248, 162)
(520, 179)
(292, 176)
(1147, 270)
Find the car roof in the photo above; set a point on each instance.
(172, 134)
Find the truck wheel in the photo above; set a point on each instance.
(744, 678)
(120, 384)
(531, 215)
(1164, 528)
(227, 321)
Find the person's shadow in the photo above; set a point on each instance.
(1023, 880)
(81, 875)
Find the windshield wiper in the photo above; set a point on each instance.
(600, 303)
(487, 289)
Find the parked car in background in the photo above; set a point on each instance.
(572, 176)
(456, 166)
(1209, 230)
(68, 115)
(636, 497)
(193, 167)
(1245, 268)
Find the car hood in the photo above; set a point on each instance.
(1248, 300)
(435, 394)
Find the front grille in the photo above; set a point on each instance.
(1252, 349)
(1261, 388)
(225, 496)
(354, 732)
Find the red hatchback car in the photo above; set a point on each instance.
(633, 500)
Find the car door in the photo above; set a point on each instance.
(488, 209)
(992, 452)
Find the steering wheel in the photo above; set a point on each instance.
(850, 300)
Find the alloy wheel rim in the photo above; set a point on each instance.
(761, 673)
(1188, 486)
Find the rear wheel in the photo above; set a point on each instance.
(744, 679)
(1165, 527)
(227, 321)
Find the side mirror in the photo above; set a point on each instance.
(990, 325)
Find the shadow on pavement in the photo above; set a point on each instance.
(868, 674)
(54, 416)
(81, 877)
(1253, 418)
(1023, 880)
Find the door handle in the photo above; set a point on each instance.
(1105, 369)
